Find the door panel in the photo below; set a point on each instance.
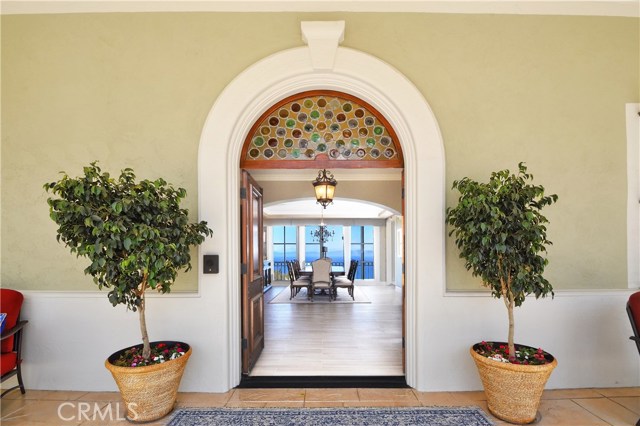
(252, 272)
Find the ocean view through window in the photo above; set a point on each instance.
(362, 250)
(345, 243)
(285, 248)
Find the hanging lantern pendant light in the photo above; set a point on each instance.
(325, 186)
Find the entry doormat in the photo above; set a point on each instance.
(427, 416)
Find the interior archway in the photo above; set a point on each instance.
(289, 72)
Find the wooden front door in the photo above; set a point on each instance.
(252, 272)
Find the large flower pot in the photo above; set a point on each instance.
(149, 392)
(513, 391)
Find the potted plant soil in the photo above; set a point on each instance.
(502, 236)
(137, 238)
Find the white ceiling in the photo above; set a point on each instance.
(524, 7)
(340, 209)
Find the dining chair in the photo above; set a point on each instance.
(321, 278)
(348, 280)
(295, 284)
(296, 271)
(11, 356)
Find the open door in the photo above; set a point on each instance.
(252, 272)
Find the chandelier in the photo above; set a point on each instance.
(322, 234)
(325, 186)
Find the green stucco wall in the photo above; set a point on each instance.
(133, 90)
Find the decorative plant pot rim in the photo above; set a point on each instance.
(147, 368)
(522, 368)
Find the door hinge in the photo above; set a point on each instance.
(403, 193)
(243, 193)
(245, 344)
(403, 268)
(243, 268)
(403, 343)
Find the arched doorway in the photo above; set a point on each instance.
(314, 130)
(292, 71)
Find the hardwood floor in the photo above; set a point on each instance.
(334, 339)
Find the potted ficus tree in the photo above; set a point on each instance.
(502, 237)
(137, 238)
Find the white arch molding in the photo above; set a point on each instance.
(286, 73)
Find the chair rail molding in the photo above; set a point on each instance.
(289, 72)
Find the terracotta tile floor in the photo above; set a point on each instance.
(564, 407)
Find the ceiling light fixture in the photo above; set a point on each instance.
(325, 187)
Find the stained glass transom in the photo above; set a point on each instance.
(336, 127)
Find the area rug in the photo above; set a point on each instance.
(427, 416)
(301, 297)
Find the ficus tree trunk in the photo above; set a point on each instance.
(146, 347)
(512, 348)
(509, 302)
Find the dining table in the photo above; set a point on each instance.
(336, 270)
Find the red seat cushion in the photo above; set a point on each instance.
(634, 304)
(10, 304)
(8, 362)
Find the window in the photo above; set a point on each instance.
(362, 250)
(285, 248)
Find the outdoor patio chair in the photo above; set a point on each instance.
(11, 340)
(633, 310)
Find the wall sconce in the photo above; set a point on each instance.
(325, 186)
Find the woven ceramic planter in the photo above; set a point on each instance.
(149, 393)
(513, 391)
